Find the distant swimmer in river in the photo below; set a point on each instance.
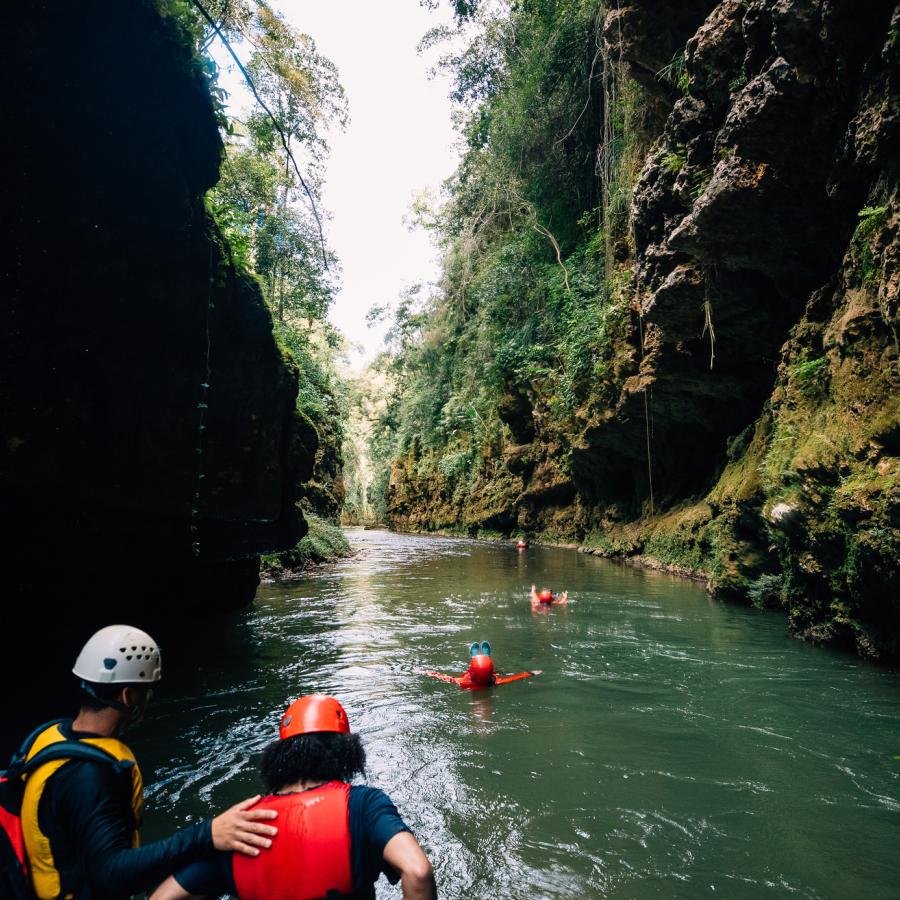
(546, 597)
(521, 544)
(480, 673)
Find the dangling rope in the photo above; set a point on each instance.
(275, 122)
(202, 407)
(608, 168)
(707, 319)
(607, 156)
(647, 424)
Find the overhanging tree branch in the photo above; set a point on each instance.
(275, 122)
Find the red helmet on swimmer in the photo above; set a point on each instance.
(481, 669)
(313, 713)
(481, 666)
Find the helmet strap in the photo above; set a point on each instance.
(115, 704)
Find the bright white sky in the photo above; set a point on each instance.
(399, 140)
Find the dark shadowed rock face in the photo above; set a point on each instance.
(126, 329)
(323, 492)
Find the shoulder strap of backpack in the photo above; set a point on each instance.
(66, 749)
(19, 756)
(72, 750)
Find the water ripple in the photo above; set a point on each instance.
(672, 747)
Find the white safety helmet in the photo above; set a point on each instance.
(119, 654)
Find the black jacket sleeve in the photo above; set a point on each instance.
(90, 807)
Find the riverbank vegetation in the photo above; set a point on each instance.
(661, 330)
(324, 542)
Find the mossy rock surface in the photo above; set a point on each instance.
(324, 542)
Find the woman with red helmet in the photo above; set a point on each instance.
(480, 673)
(335, 839)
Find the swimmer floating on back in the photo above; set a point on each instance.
(480, 673)
(546, 597)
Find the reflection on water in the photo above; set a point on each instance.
(672, 746)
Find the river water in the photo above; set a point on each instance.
(673, 746)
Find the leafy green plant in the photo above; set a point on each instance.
(454, 464)
(809, 369)
(765, 591)
(737, 83)
(872, 220)
(674, 161)
(700, 178)
(811, 375)
(675, 72)
(324, 541)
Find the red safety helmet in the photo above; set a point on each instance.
(317, 712)
(481, 669)
(546, 596)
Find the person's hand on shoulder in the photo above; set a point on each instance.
(241, 829)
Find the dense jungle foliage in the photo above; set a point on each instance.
(530, 228)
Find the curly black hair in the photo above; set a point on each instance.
(320, 756)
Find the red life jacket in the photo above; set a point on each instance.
(310, 857)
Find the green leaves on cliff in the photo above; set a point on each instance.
(260, 199)
(263, 201)
(523, 304)
(863, 249)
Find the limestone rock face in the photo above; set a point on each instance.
(765, 230)
(738, 213)
(150, 448)
(647, 34)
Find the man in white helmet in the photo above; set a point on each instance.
(81, 817)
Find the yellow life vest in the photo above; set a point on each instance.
(45, 878)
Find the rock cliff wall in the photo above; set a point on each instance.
(747, 427)
(150, 447)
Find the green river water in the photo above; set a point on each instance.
(673, 746)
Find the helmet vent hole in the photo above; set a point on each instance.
(121, 649)
(128, 657)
